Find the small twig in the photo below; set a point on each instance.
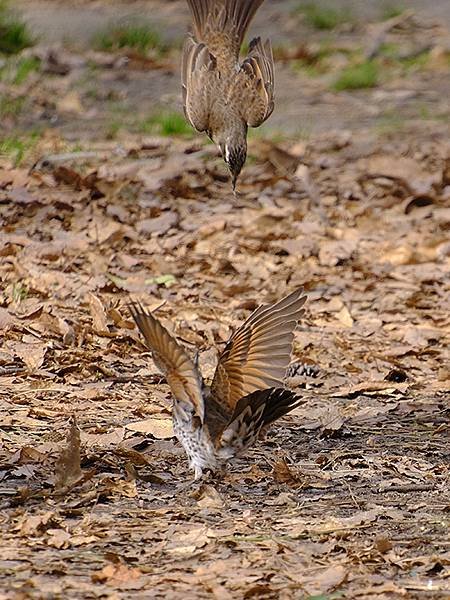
(12, 370)
(52, 160)
(382, 29)
(355, 501)
(154, 378)
(411, 487)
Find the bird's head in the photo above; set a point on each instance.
(233, 147)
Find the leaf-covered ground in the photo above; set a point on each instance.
(348, 496)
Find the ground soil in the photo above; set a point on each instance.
(346, 497)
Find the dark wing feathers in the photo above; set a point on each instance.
(198, 72)
(242, 12)
(253, 413)
(257, 354)
(170, 358)
(255, 83)
(199, 10)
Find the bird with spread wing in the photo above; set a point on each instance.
(215, 423)
(221, 95)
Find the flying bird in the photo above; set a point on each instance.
(221, 95)
(218, 422)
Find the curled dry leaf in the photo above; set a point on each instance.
(99, 319)
(68, 469)
(283, 473)
(210, 498)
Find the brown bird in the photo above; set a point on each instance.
(215, 423)
(221, 95)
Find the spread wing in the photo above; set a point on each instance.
(258, 353)
(198, 75)
(255, 83)
(170, 358)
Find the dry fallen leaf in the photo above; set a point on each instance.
(6, 319)
(114, 574)
(112, 438)
(345, 317)
(120, 487)
(34, 524)
(283, 473)
(186, 544)
(99, 319)
(327, 580)
(333, 252)
(158, 427)
(159, 224)
(67, 469)
(71, 103)
(32, 354)
(210, 498)
(58, 538)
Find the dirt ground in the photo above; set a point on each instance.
(346, 193)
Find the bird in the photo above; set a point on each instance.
(221, 95)
(217, 422)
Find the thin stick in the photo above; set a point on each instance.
(411, 487)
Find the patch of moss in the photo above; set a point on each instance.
(17, 148)
(166, 123)
(389, 11)
(14, 33)
(140, 38)
(324, 16)
(15, 71)
(359, 76)
(11, 106)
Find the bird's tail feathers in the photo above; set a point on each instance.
(223, 15)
